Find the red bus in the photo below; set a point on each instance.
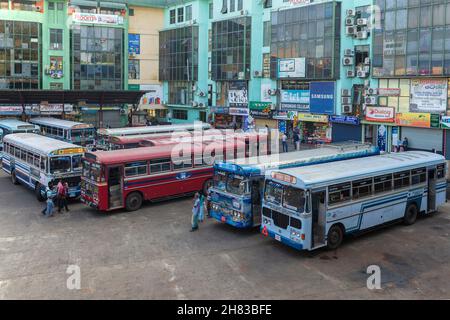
(120, 179)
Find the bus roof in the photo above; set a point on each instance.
(59, 123)
(14, 124)
(338, 172)
(42, 145)
(151, 129)
(258, 165)
(145, 153)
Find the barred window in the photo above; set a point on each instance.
(402, 179)
(136, 169)
(160, 165)
(339, 193)
(362, 188)
(418, 176)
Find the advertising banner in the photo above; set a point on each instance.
(237, 94)
(239, 111)
(322, 97)
(134, 43)
(428, 95)
(260, 109)
(265, 96)
(306, 117)
(292, 68)
(85, 17)
(285, 115)
(153, 95)
(419, 120)
(382, 138)
(345, 120)
(380, 114)
(445, 122)
(296, 100)
(389, 92)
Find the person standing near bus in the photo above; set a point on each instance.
(62, 197)
(48, 210)
(195, 212)
(201, 215)
(284, 139)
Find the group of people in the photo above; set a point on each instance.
(297, 139)
(402, 146)
(56, 196)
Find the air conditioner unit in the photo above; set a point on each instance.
(349, 21)
(350, 74)
(362, 74)
(350, 12)
(346, 92)
(194, 104)
(367, 61)
(257, 74)
(361, 22)
(346, 100)
(371, 101)
(349, 52)
(201, 105)
(244, 12)
(201, 94)
(371, 91)
(350, 31)
(348, 61)
(347, 109)
(362, 35)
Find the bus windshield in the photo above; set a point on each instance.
(60, 164)
(76, 163)
(92, 171)
(237, 185)
(220, 180)
(274, 192)
(294, 199)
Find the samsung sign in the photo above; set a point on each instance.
(322, 97)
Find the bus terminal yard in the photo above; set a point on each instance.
(150, 254)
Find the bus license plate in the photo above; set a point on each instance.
(278, 237)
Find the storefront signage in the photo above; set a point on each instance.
(84, 17)
(312, 117)
(220, 110)
(380, 114)
(389, 92)
(445, 122)
(300, 1)
(153, 95)
(295, 100)
(285, 115)
(265, 89)
(237, 94)
(345, 120)
(322, 97)
(239, 111)
(292, 68)
(134, 43)
(419, 120)
(428, 95)
(260, 109)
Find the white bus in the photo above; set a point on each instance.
(312, 207)
(37, 161)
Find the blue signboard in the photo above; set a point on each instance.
(322, 97)
(345, 120)
(134, 43)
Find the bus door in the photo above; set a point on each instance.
(256, 202)
(319, 217)
(115, 187)
(432, 179)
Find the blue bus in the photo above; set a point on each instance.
(313, 207)
(9, 126)
(37, 161)
(78, 133)
(235, 197)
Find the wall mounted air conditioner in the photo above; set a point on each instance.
(350, 31)
(346, 100)
(349, 52)
(362, 35)
(367, 61)
(351, 12)
(371, 101)
(361, 22)
(347, 109)
(348, 61)
(194, 104)
(257, 74)
(349, 21)
(346, 92)
(362, 74)
(372, 91)
(350, 74)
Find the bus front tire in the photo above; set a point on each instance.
(335, 237)
(134, 201)
(14, 178)
(410, 215)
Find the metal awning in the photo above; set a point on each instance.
(91, 97)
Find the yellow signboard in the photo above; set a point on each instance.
(421, 120)
(69, 151)
(308, 117)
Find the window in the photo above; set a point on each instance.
(172, 16)
(211, 11)
(180, 93)
(383, 183)
(136, 169)
(402, 179)
(60, 6)
(131, 12)
(56, 39)
(189, 13)
(240, 4)
(339, 193)
(184, 163)
(232, 5)
(180, 114)
(362, 188)
(180, 14)
(51, 6)
(133, 69)
(160, 165)
(418, 176)
(441, 171)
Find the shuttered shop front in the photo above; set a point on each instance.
(423, 139)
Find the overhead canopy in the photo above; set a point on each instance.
(27, 97)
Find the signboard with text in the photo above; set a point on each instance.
(380, 114)
(292, 68)
(134, 43)
(238, 94)
(296, 100)
(322, 97)
(429, 95)
(93, 18)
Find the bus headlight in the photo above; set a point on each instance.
(295, 234)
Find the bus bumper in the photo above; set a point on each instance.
(89, 203)
(283, 240)
(229, 220)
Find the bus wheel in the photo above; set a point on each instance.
(134, 201)
(14, 178)
(335, 237)
(208, 184)
(410, 215)
(37, 191)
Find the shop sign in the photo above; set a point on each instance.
(109, 19)
(153, 95)
(307, 117)
(237, 94)
(380, 114)
(55, 108)
(134, 43)
(428, 95)
(239, 111)
(322, 97)
(345, 120)
(296, 100)
(260, 109)
(389, 92)
(382, 138)
(445, 122)
(285, 115)
(291, 68)
(220, 110)
(265, 96)
(419, 120)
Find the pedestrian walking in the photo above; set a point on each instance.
(284, 139)
(195, 212)
(48, 210)
(208, 204)
(297, 141)
(201, 215)
(62, 196)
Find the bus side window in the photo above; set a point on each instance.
(383, 183)
(339, 193)
(441, 171)
(17, 153)
(402, 179)
(136, 169)
(418, 176)
(362, 188)
(160, 165)
(43, 163)
(36, 161)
